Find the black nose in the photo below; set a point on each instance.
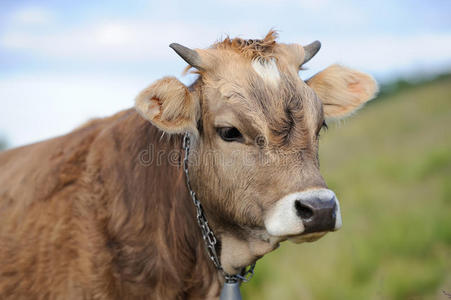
(317, 213)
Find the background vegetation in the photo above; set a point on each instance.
(390, 166)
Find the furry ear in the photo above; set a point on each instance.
(342, 90)
(168, 104)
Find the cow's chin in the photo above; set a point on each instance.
(237, 254)
(308, 237)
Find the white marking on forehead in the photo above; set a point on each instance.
(267, 70)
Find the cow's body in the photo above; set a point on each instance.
(83, 216)
(104, 213)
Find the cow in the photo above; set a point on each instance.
(104, 212)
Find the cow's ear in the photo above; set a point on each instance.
(342, 90)
(169, 105)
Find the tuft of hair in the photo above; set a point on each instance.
(262, 49)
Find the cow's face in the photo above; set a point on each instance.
(255, 128)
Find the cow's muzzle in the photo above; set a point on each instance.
(312, 211)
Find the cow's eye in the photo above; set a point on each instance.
(230, 134)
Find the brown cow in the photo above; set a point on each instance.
(104, 212)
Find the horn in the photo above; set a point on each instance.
(189, 55)
(310, 50)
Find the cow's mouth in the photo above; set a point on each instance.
(308, 237)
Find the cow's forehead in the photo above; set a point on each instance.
(235, 74)
(259, 80)
(266, 93)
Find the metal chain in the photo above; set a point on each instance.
(207, 234)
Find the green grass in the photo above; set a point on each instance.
(390, 166)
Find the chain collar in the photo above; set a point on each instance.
(207, 234)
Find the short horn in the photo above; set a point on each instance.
(189, 55)
(310, 50)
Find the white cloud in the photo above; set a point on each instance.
(31, 15)
(132, 41)
(387, 55)
(108, 41)
(43, 106)
(125, 41)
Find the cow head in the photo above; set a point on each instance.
(255, 128)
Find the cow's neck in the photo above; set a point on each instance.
(152, 229)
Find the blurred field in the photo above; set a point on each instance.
(390, 166)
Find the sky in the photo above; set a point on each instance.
(65, 62)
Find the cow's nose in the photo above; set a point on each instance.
(318, 211)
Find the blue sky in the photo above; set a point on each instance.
(62, 63)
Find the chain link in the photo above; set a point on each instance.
(207, 234)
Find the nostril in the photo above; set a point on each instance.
(303, 211)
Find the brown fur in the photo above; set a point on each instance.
(342, 90)
(250, 48)
(83, 216)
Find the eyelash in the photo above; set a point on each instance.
(323, 126)
(230, 134)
